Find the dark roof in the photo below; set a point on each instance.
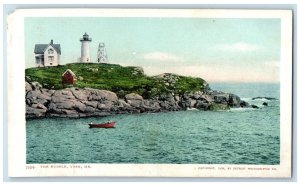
(70, 71)
(40, 48)
(85, 37)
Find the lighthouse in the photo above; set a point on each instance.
(85, 48)
(101, 54)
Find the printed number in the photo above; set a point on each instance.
(30, 167)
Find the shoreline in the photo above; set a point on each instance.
(88, 102)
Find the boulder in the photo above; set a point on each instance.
(51, 92)
(107, 105)
(197, 95)
(192, 102)
(184, 104)
(93, 104)
(63, 95)
(27, 86)
(41, 106)
(79, 106)
(39, 101)
(164, 105)
(206, 97)
(80, 94)
(122, 103)
(133, 96)
(150, 105)
(170, 98)
(134, 100)
(244, 104)
(168, 101)
(168, 106)
(69, 113)
(89, 109)
(44, 96)
(36, 85)
(52, 106)
(221, 98)
(101, 95)
(135, 103)
(65, 105)
(47, 92)
(234, 100)
(27, 78)
(35, 112)
(203, 105)
(28, 101)
(33, 94)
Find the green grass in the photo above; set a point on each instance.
(218, 107)
(121, 80)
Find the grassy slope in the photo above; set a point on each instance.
(122, 80)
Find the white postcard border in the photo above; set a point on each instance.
(17, 166)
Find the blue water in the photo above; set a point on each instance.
(238, 136)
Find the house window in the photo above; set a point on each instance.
(51, 58)
(50, 63)
(50, 51)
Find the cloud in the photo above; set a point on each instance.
(237, 47)
(162, 57)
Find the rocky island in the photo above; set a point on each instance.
(107, 89)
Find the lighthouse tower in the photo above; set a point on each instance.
(85, 48)
(101, 54)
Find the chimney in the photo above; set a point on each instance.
(51, 43)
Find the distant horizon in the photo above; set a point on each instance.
(217, 50)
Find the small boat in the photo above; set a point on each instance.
(110, 124)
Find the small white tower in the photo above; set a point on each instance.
(85, 48)
(101, 54)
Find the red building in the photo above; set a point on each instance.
(68, 77)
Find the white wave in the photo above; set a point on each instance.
(262, 99)
(246, 99)
(191, 109)
(259, 102)
(256, 100)
(241, 109)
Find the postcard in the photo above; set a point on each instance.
(150, 93)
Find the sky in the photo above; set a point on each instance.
(217, 50)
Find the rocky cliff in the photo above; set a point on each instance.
(84, 102)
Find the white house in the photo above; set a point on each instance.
(47, 54)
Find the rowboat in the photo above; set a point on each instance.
(110, 124)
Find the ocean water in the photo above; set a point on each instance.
(237, 136)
